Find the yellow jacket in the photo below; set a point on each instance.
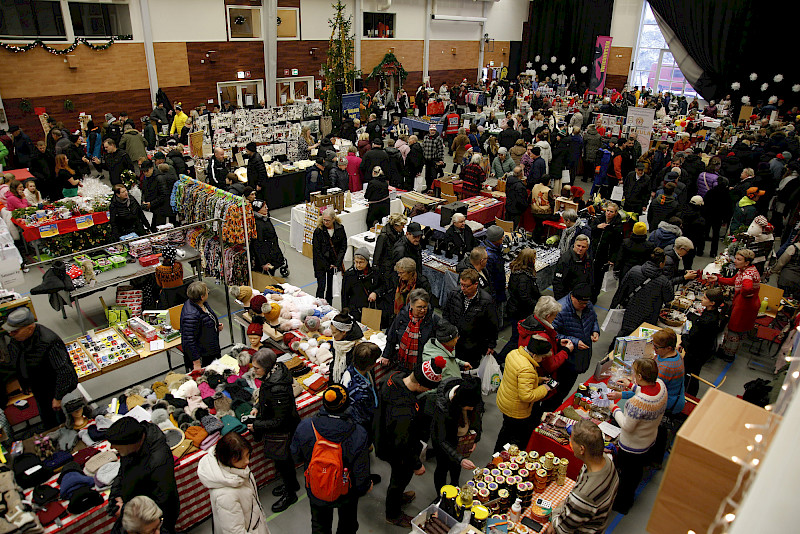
(520, 387)
(178, 122)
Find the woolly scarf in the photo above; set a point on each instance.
(340, 349)
(400, 295)
(409, 344)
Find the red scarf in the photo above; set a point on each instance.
(409, 343)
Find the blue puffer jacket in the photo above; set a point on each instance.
(665, 235)
(199, 334)
(496, 270)
(570, 326)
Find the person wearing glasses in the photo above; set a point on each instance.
(474, 313)
(141, 515)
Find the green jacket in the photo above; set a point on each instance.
(743, 214)
(453, 368)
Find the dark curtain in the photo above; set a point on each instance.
(566, 29)
(731, 39)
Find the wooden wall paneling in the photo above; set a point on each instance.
(500, 55)
(136, 102)
(441, 57)
(452, 76)
(619, 60)
(616, 81)
(295, 55)
(289, 3)
(172, 64)
(408, 52)
(40, 73)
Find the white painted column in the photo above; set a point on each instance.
(358, 25)
(481, 42)
(269, 24)
(4, 119)
(149, 53)
(426, 44)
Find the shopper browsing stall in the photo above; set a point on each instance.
(329, 245)
(200, 328)
(264, 247)
(126, 215)
(700, 342)
(576, 322)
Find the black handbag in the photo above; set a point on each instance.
(276, 445)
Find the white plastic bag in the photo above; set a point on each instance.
(613, 320)
(420, 185)
(565, 177)
(490, 374)
(617, 193)
(610, 282)
(337, 284)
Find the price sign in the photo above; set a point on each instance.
(84, 221)
(48, 230)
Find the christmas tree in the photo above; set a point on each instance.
(340, 66)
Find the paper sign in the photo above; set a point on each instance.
(48, 230)
(295, 72)
(84, 221)
(157, 344)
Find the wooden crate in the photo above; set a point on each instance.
(335, 200)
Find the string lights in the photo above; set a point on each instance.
(63, 51)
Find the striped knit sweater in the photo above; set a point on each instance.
(640, 419)
(672, 372)
(588, 504)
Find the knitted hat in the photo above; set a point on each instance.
(429, 373)
(97, 461)
(582, 291)
(257, 303)
(251, 146)
(196, 434)
(125, 431)
(312, 323)
(174, 380)
(446, 332)
(106, 474)
(640, 228)
(83, 500)
(761, 221)
(71, 482)
(787, 156)
(58, 459)
(50, 512)
(83, 455)
(335, 399)
(539, 346)
(257, 205)
(211, 440)
(697, 200)
(222, 404)
(232, 424)
(363, 252)
(754, 193)
(273, 314)
(160, 389)
(211, 424)
(502, 150)
(255, 329)
(168, 255)
(44, 494)
(241, 408)
(494, 234)
(242, 293)
(467, 147)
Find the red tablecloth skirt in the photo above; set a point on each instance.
(65, 226)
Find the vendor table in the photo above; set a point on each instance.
(354, 220)
(286, 189)
(20, 174)
(458, 187)
(410, 198)
(130, 271)
(63, 226)
(420, 125)
(483, 209)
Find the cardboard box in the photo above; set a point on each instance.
(700, 472)
(11, 280)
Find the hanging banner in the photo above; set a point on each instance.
(84, 221)
(600, 64)
(350, 103)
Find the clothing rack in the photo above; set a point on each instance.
(247, 213)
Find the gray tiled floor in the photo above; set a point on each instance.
(297, 518)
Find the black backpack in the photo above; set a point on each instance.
(757, 392)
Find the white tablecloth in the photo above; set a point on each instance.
(354, 220)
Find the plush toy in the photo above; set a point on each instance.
(88, 272)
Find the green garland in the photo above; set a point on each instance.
(61, 52)
(388, 58)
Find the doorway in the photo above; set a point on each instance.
(242, 94)
(296, 89)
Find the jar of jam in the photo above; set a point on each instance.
(448, 502)
(479, 516)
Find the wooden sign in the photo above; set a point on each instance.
(196, 144)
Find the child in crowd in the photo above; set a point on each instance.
(700, 342)
(15, 198)
(32, 195)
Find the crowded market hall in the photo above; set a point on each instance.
(440, 267)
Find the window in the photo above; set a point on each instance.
(244, 22)
(100, 21)
(379, 25)
(26, 19)
(654, 66)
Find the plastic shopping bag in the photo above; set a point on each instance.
(420, 185)
(490, 374)
(337, 284)
(613, 320)
(610, 282)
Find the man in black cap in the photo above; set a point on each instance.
(42, 363)
(331, 425)
(636, 190)
(256, 171)
(397, 432)
(146, 468)
(374, 157)
(577, 322)
(409, 247)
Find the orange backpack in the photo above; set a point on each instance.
(326, 476)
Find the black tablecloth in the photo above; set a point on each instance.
(286, 189)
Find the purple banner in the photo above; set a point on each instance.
(600, 65)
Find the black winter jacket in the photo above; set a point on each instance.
(256, 171)
(265, 248)
(217, 171)
(150, 471)
(523, 294)
(447, 419)
(375, 157)
(516, 196)
(478, 325)
(636, 192)
(329, 250)
(116, 163)
(175, 157)
(635, 250)
(199, 333)
(397, 425)
(701, 339)
(396, 167)
(404, 249)
(661, 209)
(165, 181)
(459, 242)
(277, 410)
(382, 258)
(483, 276)
(42, 361)
(394, 334)
(606, 241)
(571, 271)
(642, 306)
(126, 218)
(356, 287)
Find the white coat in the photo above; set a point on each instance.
(234, 497)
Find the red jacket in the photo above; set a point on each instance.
(452, 121)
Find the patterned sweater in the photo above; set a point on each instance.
(587, 506)
(640, 419)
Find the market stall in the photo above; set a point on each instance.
(422, 125)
